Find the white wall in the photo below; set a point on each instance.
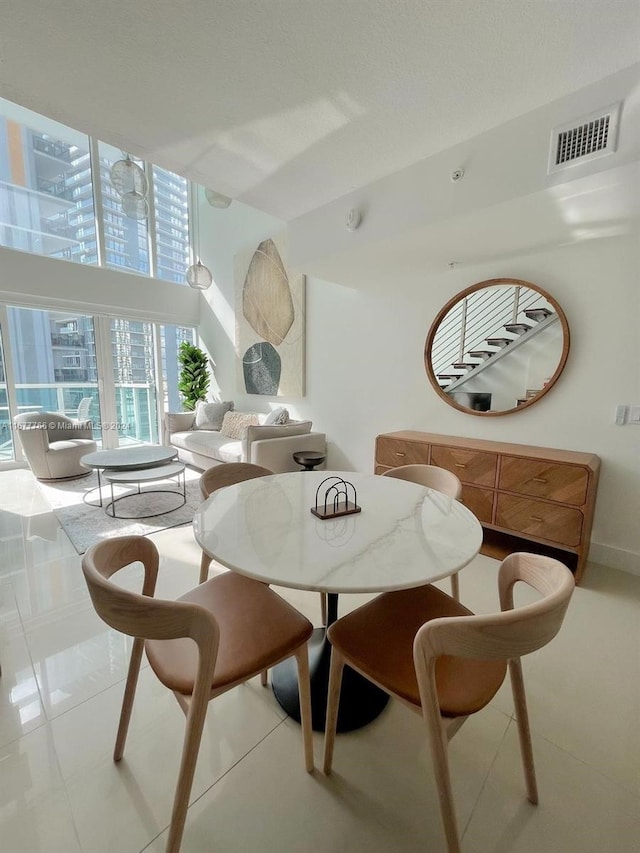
(365, 372)
(34, 280)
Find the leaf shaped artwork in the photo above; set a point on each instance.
(262, 367)
(266, 296)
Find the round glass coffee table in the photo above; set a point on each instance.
(126, 459)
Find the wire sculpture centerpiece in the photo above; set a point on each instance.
(339, 498)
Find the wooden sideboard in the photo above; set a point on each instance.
(526, 498)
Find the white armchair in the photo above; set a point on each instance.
(54, 444)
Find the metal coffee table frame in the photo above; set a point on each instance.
(124, 459)
(138, 477)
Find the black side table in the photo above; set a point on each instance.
(309, 459)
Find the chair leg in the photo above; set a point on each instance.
(193, 735)
(333, 702)
(524, 732)
(205, 562)
(129, 695)
(304, 692)
(455, 586)
(263, 677)
(323, 607)
(440, 758)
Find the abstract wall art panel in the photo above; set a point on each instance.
(270, 321)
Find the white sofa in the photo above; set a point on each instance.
(269, 446)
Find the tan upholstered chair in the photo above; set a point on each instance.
(440, 660)
(54, 444)
(434, 478)
(215, 637)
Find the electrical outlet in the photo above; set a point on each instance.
(621, 414)
(634, 414)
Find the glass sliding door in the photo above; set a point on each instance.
(7, 452)
(54, 363)
(134, 375)
(119, 373)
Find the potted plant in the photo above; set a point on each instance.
(194, 375)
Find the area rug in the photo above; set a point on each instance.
(85, 524)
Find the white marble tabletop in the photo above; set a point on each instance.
(139, 456)
(405, 536)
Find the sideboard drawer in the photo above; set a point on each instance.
(541, 479)
(527, 498)
(556, 523)
(469, 466)
(393, 452)
(479, 501)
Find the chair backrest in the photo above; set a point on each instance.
(51, 426)
(430, 476)
(142, 615)
(229, 473)
(84, 407)
(510, 633)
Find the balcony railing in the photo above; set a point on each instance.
(136, 406)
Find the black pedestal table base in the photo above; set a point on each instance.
(360, 700)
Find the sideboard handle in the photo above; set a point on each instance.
(539, 479)
(461, 464)
(400, 454)
(536, 518)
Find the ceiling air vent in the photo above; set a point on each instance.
(584, 139)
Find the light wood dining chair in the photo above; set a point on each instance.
(215, 637)
(425, 648)
(436, 478)
(226, 475)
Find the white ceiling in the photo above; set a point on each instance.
(599, 206)
(289, 104)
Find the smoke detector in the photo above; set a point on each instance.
(353, 219)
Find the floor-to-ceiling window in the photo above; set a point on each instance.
(54, 362)
(46, 195)
(134, 376)
(126, 238)
(170, 339)
(57, 198)
(171, 216)
(6, 433)
(112, 370)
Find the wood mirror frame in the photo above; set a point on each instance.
(516, 305)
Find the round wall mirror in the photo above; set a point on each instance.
(497, 347)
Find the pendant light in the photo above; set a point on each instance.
(127, 177)
(199, 277)
(135, 205)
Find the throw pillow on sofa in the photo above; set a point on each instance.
(211, 415)
(277, 416)
(234, 424)
(179, 421)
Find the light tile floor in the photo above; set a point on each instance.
(60, 693)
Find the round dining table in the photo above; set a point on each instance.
(404, 535)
